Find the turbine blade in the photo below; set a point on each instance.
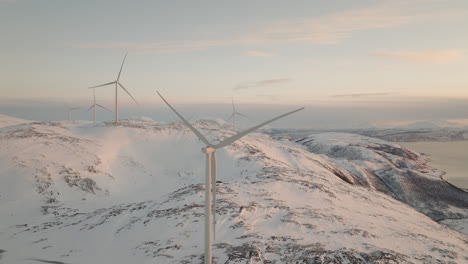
(229, 118)
(233, 106)
(104, 107)
(225, 122)
(102, 85)
(121, 86)
(241, 114)
(121, 67)
(194, 130)
(91, 107)
(213, 190)
(245, 132)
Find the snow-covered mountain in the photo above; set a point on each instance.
(434, 124)
(134, 193)
(387, 134)
(416, 135)
(394, 170)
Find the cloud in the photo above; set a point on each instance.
(360, 95)
(334, 28)
(324, 30)
(254, 53)
(423, 56)
(273, 81)
(262, 83)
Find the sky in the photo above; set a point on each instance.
(362, 59)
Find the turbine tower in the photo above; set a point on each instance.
(210, 181)
(94, 107)
(234, 113)
(70, 109)
(117, 84)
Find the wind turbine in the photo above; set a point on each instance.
(234, 113)
(70, 109)
(117, 84)
(94, 107)
(210, 181)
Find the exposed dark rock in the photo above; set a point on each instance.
(402, 152)
(74, 179)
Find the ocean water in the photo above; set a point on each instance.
(451, 157)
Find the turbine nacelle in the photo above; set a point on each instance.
(208, 150)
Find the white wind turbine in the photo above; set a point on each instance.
(234, 113)
(117, 84)
(210, 181)
(70, 109)
(94, 107)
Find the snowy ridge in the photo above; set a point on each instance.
(417, 135)
(115, 194)
(6, 121)
(394, 170)
(387, 134)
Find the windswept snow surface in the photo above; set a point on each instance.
(11, 121)
(134, 193)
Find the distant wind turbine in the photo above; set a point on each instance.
(210, 181)
(117, 84)
(234, 113)
(70, 109)
(94, 107)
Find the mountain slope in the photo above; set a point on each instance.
(134, 193)
(394, 170)
(6, 121)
